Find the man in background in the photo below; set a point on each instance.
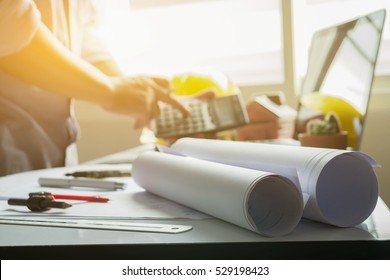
(50, 54)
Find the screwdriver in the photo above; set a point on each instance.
(39, 203)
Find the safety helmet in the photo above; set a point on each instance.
(193, 82)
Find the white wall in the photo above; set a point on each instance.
(376, 140)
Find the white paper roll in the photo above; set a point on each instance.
(263, 202)
(342, 185)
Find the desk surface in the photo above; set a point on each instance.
(209, 239)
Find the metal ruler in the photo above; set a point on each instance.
(95, 224)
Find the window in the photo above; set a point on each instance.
(311, 15)
(240, 38)
(243, 39)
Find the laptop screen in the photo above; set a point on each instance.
(340, 73)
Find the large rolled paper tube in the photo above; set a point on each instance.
(342, 185)
(263, 202)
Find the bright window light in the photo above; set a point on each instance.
(311, 15)
(240, 38)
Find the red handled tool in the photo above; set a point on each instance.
(43, 201)
(89, 198)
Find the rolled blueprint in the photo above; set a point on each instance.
(342, 185)
(263, 202)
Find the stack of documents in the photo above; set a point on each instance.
(262, 187)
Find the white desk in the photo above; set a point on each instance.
(209, 239)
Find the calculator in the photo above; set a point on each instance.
(207, 116)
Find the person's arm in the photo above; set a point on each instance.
(45, 63)
(108, 67)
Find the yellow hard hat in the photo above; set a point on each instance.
(193, 82)
(346, 113)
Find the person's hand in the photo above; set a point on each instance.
(206, 94)
(138, 97)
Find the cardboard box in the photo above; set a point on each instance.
(270, 118)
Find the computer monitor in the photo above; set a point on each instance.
(340, 73)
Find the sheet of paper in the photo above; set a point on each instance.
(132, 203)
(263, 202)
(342, 185)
